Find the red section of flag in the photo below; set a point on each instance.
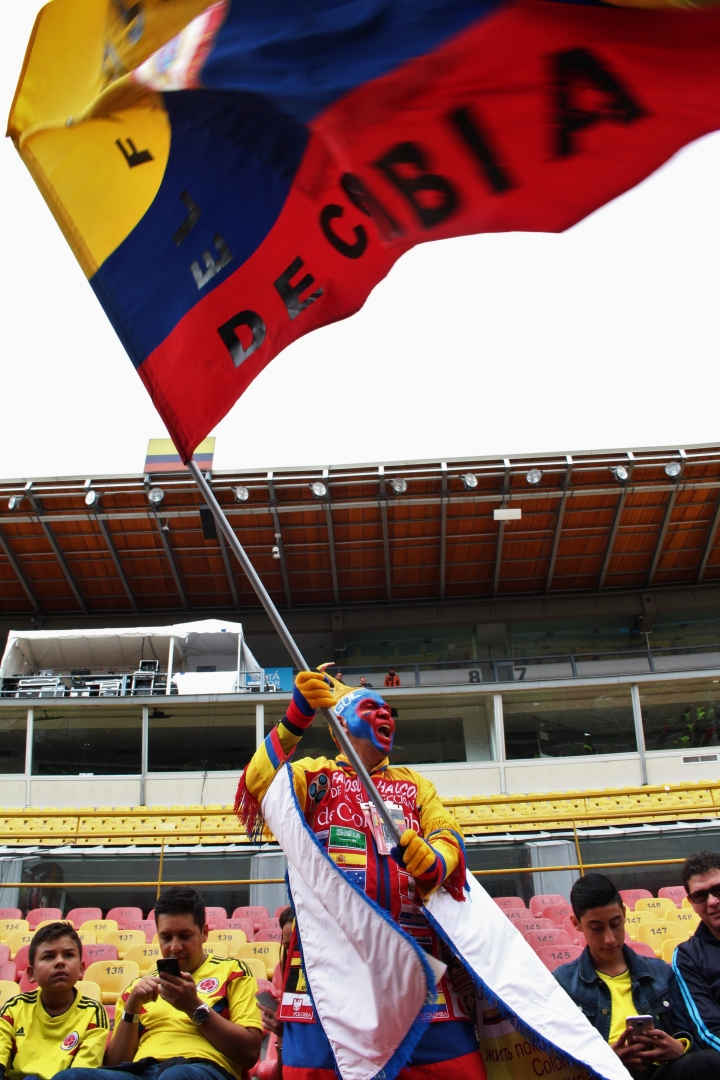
(529, 121)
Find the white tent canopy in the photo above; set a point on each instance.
(181, 648)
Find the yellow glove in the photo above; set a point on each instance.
(419, 857)
(314, 689)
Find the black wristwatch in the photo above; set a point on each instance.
(200, 1015)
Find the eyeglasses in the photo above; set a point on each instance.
(700, 896)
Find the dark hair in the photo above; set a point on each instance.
(285, 917)
(699, 863)
(591, 891)
(181, 900)
(52, 932)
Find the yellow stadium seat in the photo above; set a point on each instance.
(660, 904)
(267, 951)
(12, 926)
(8, 990)
(668, 947)
(653, 934)
(634, 919)
(89, 989)
(112, 976)
(124, 940)
(155, 940)
(232, 938)
(216, 948)
(682, 916)
(17, 940)
(47, 922)
(686, 903)
(145, 956)
(100, 927)
(87, 937)
(257, 968)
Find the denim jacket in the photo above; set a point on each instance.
(654, 989)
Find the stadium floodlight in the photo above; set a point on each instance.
(673, 468)
(275, 552)
(619, 472)
(399, 485)
(241, 493)
(156, 495)
(534, 477)
(92, 498)
(470, 481)
(14, 501)
(318, 489)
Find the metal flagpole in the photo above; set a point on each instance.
(289, 642)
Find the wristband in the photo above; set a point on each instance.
(131, 1018)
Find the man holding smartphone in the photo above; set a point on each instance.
(633, 1001)
(194, 1017)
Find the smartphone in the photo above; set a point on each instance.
(267, 1001)
(169, 966)
(639, 1024)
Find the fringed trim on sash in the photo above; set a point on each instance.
(247, 810)
(455, 882)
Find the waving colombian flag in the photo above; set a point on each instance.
(233, 175)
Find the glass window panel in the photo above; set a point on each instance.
(568, 722)
(13, 724)
(207, 737)
(99, 740)
(680, 715)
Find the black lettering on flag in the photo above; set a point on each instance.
(291, 293)
(228, 332)
(361, 196)
(213, 266)
(194, 215)
(476, 140)
(576, 70)
(350, 251)
(132, 155)
(412, 185)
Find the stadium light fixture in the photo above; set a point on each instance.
(318, 489)
(275, 552)
(673, 469)
(14, 501)
(156, 495)
(470, 481)
(399, 485)
(534, 477)
(92, 498)
(619, 472)
(241, 493)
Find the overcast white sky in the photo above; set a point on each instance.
(606, 336)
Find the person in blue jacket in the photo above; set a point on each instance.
(696, 962)
(610, 982)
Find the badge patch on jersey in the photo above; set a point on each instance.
(70, 1041)
(207, 986)
(348, 850)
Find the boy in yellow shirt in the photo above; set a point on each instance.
(54, 1027)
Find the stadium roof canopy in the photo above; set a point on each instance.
(593, 522)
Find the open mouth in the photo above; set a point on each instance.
(384, 731)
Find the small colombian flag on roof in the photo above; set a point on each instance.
(162, 457)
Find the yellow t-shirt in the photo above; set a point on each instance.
(227, 986)
(34, 1043)
(621, 1000)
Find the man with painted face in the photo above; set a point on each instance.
(431, 856)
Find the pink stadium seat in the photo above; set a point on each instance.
(524, 925)
(277, 981)
(4, 952)
(10, 913)
(92, 953)
(22, 959)
(256, 914)
(553, 957)
(538, 939)
(264, 1070)
(268, 935)
(25, 984)
(631, 896)
(676, 893)
(237, 924)
(8, 971)
(578, 938)
(558, 913)
(270, 924)
(43, 914)
(124, 915)
(506, 902)
(213, 915)
(147, 926)
(543, 900)
(278, 911)
(640, 948)
(517, 914)
(79, 915)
